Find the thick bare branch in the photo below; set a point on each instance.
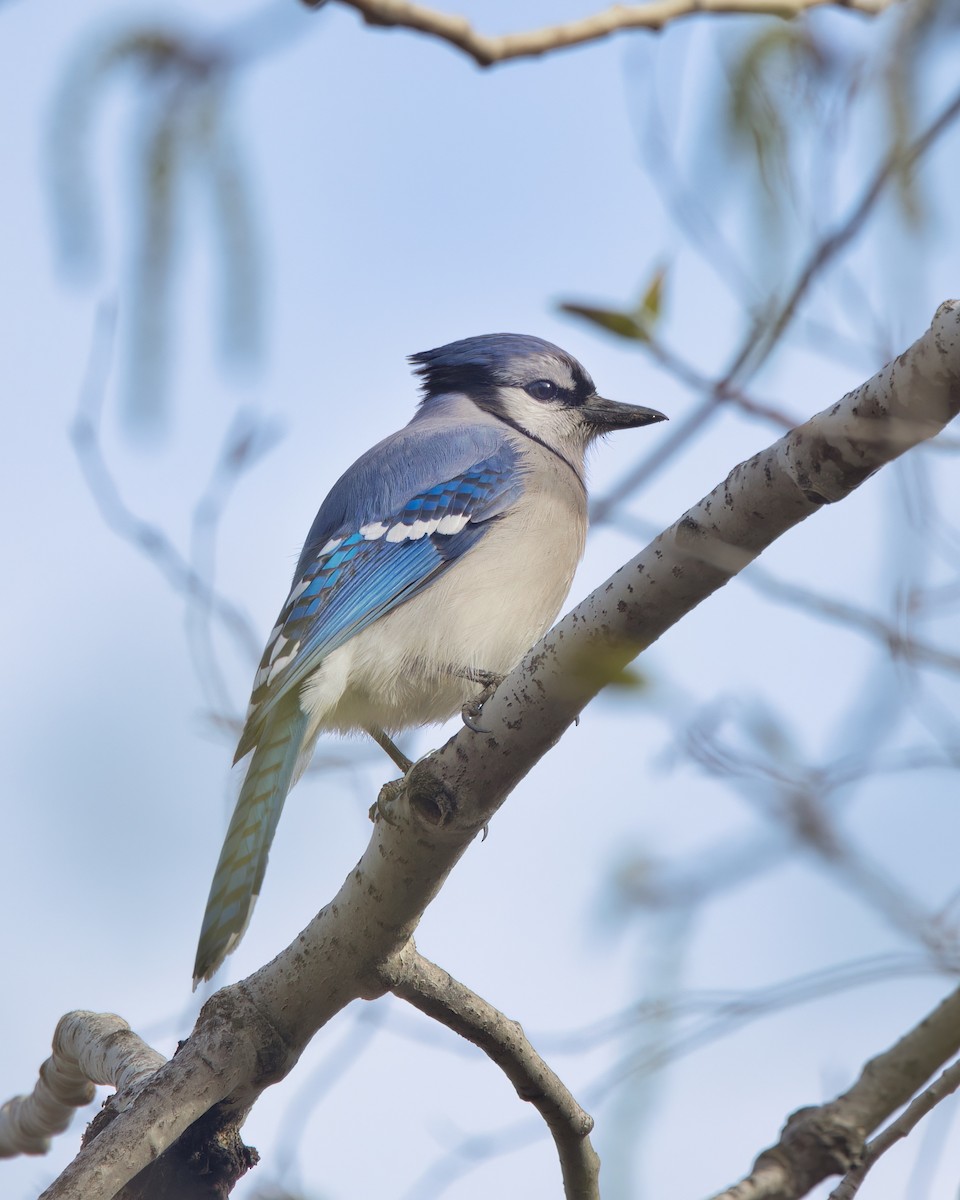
(88, 1048)
(217, 1060)
(486, 51)
(250, 1035)
(829, 1139)
(431, 989)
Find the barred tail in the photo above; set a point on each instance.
(243, 859)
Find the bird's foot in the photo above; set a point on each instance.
(379, 810)
(489, 681)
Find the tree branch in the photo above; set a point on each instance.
(88, 1048)
(942, 1087)
(429, 988)
(829, 1139)
(486, 51)
(251, 1034)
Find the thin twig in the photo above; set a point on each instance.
(429, 988)
(828, 1139)
(942, 1087)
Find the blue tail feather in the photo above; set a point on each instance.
(243, 859)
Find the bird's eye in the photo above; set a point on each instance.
(542, 389)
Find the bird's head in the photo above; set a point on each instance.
(529, 384)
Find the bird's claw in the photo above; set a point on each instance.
(388, 794)
(472, 709)
(470, 712)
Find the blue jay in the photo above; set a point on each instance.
(436, 561)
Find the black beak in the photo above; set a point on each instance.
(606, 415)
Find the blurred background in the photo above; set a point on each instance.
(224, 228)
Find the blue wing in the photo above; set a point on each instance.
(370, 565)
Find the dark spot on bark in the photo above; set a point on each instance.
(432, 801)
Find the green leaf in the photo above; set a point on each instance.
(603, 667)
(623, 324)
(636, 324)
(651, 303)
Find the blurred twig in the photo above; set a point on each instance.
(705, 1018)
(900, 645)
(367, 1023)
(145, 536)
(766, 330)
(758, 347)
(181, 133)
(247, 439)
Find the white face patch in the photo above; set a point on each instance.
(558, 425)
